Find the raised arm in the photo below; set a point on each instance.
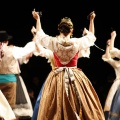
(108, 57)
(36, 16)
(91, 25)
(107, 51)
(113, 36)
(25, 59)
(110, 44)
(115, 52)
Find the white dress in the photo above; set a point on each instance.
(116, 66)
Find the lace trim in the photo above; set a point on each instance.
(65, 53)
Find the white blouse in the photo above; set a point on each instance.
(9, 63)
(60, 44)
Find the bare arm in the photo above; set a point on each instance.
(113, 36)
(108, 58)
(107, 52)
(37, 18)
(110, 44)
(91, 25)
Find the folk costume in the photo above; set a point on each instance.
(67, 93)
(112, 103)
(9, 66)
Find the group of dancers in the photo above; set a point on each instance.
(67, 93)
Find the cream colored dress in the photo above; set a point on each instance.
(116, 66)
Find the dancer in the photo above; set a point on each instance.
(67, 93)
(9, 65)
(112, 108)
(48, 54)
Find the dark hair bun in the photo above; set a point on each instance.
(65, 25)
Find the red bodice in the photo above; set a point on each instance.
(72, 63)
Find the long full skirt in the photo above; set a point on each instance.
(69, 95)
(114, 113)
(110, 97)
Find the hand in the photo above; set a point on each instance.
(92, 15)
(113, 34)
(35, 14)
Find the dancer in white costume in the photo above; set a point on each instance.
(112, 108)
(9, 66)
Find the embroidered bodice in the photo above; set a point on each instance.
(71, 63)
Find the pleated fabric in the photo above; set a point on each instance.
(69, 98)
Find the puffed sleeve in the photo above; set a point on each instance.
(86, 41)
(84, 53)
(49, 41)
(42, 38)
(19, 52)
(45, 40)
(43, 52)
(48, 54)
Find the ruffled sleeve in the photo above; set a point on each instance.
(84, 53)
(43, 52)
(82, 43)
(86, 41)
(43, 39)
(19, 52)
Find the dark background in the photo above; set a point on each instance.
(16, 18)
